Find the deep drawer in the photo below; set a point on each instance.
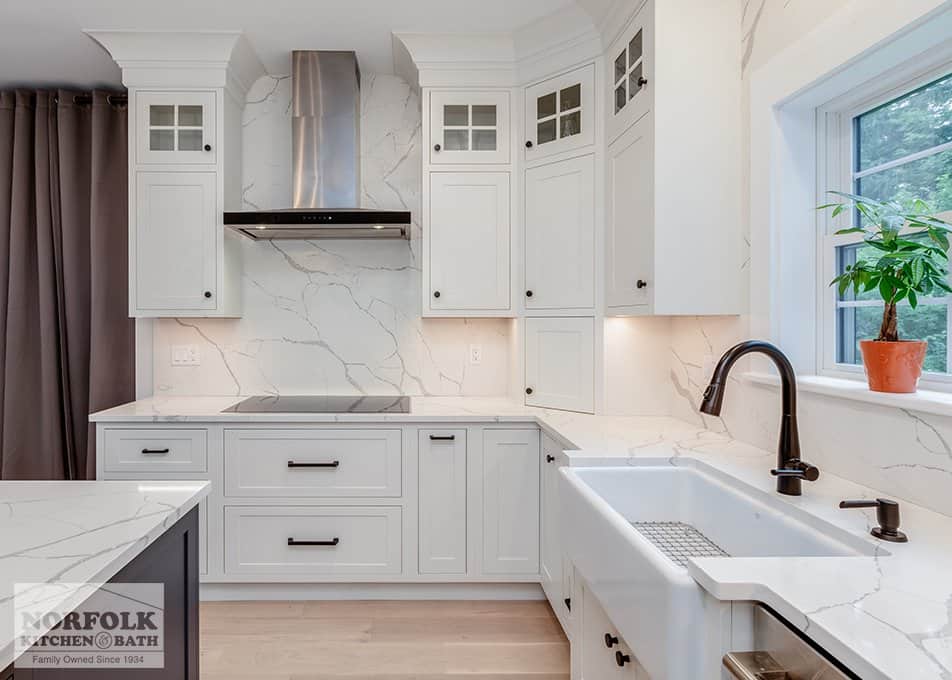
(164, 450)
(312, 541)
(313, 463)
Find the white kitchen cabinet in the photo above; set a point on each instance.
(560, 359)
(560, 235)
(604, 654)
(555, 584)
(629, 237)
(175, 127)
(469, 242)
(673, 175)
(630, 63)
(174, 241)
(510, 515)
(560, 113)
(469, 127)
(442, 507)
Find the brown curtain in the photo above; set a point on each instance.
(66, 342)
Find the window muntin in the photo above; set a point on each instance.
(899, 150)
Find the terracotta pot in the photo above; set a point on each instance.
(893, 366)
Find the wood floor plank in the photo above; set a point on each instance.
(388, 640)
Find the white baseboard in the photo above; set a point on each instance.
(215, 592)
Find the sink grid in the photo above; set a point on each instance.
(679, 541)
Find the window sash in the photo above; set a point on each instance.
(836, 154)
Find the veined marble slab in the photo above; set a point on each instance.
(66, 534)
(887, 617)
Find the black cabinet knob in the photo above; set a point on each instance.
(436, 293)
(622, 659)
(208, 147)
(529, 144)
(641, 283)
(528, 293)
(437, 147)
(610, 640)
(208, 294)
(549, 458)
(528, 390)
(642, 81)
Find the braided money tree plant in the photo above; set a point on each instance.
(909, 261)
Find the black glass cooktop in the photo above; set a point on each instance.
(321, 404)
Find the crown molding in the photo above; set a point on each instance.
(182, 58)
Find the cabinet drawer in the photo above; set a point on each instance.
(363, 463)
(313, 541)
(159, 451)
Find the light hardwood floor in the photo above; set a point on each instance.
(381, 640)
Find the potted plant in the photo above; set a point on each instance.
(911, 260)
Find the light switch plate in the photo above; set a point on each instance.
(186, 355)
(475, 354)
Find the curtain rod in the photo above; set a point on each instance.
(114, 99)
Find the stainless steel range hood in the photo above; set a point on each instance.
(325, 158)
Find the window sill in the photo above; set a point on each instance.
(923, 401)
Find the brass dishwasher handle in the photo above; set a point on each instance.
(754, 666)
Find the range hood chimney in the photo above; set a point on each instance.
(325, 160)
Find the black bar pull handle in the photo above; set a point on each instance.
(331, 543)
(333, 464)
(442, 437)
(154, 452)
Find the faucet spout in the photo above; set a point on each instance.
(790, 469)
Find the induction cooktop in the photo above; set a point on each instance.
(320, 404)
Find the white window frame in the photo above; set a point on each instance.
(835, 154)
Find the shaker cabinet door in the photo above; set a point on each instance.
(560, 363)
(174, 243)
(560, 235)
(469, 262)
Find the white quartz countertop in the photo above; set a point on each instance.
(887, 617)
(67, 535)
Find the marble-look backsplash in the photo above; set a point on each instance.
(334, 316)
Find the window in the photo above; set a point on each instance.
(895, 147)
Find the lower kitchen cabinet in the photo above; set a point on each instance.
(604, 654)
(551, 565)
(510, 501)
(312, 541)
(560, 363)
(442, 507)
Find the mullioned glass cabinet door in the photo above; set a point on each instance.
(560, 113)
(469, 127)
(175, 128)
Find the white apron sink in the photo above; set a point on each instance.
(673, 626)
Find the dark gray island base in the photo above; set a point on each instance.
(172, 560)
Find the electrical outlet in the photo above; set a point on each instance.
(186, 355)
(475, 355)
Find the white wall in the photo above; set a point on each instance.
(902, 453)
(334, 316)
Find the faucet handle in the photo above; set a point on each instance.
(887, 514)
(797, 468)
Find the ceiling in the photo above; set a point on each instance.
(42, 43)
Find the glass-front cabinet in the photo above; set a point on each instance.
(560, 113)
(469, 127)
(630, 70)
(175, 127)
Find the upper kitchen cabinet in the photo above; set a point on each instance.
(175, 127)
(673, 171)
(630, 62)
(468, 269)
(186, 93)
(560, 236)
(469, 127)
(560, 114)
